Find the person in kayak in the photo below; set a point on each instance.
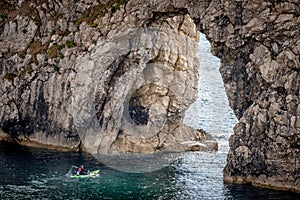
(81, 171)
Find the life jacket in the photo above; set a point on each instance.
(79, 171)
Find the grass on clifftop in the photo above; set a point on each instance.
(99, 11)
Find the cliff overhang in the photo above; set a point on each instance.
(96, 73)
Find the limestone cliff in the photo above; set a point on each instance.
(258, 43)
(104, 77)
(118, 75)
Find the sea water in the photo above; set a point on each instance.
(33, 173)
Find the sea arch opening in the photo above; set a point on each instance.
(211, 110)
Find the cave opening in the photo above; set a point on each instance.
(138, 113)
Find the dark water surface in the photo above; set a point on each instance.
(33, 173)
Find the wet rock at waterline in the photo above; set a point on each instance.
(118, 77)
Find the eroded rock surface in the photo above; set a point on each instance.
(104, 77)
(116, 76)
(258, 44)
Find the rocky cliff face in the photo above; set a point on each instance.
(116, 76)
(258, 43)
(104, 77)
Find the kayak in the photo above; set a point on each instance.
(94, 173)
(72, 173)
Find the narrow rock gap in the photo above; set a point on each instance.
(211, 110)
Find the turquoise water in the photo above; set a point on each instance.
(33, 173)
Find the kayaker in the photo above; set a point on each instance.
(81, 171)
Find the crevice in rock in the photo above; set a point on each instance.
(257, 43)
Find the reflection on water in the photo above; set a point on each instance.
(32, 173)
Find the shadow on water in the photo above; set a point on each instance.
(248, 192)
(33, 173)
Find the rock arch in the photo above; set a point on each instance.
(84, 61)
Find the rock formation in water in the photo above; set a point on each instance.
(104, 77)
(258, 43)
(117, 76)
